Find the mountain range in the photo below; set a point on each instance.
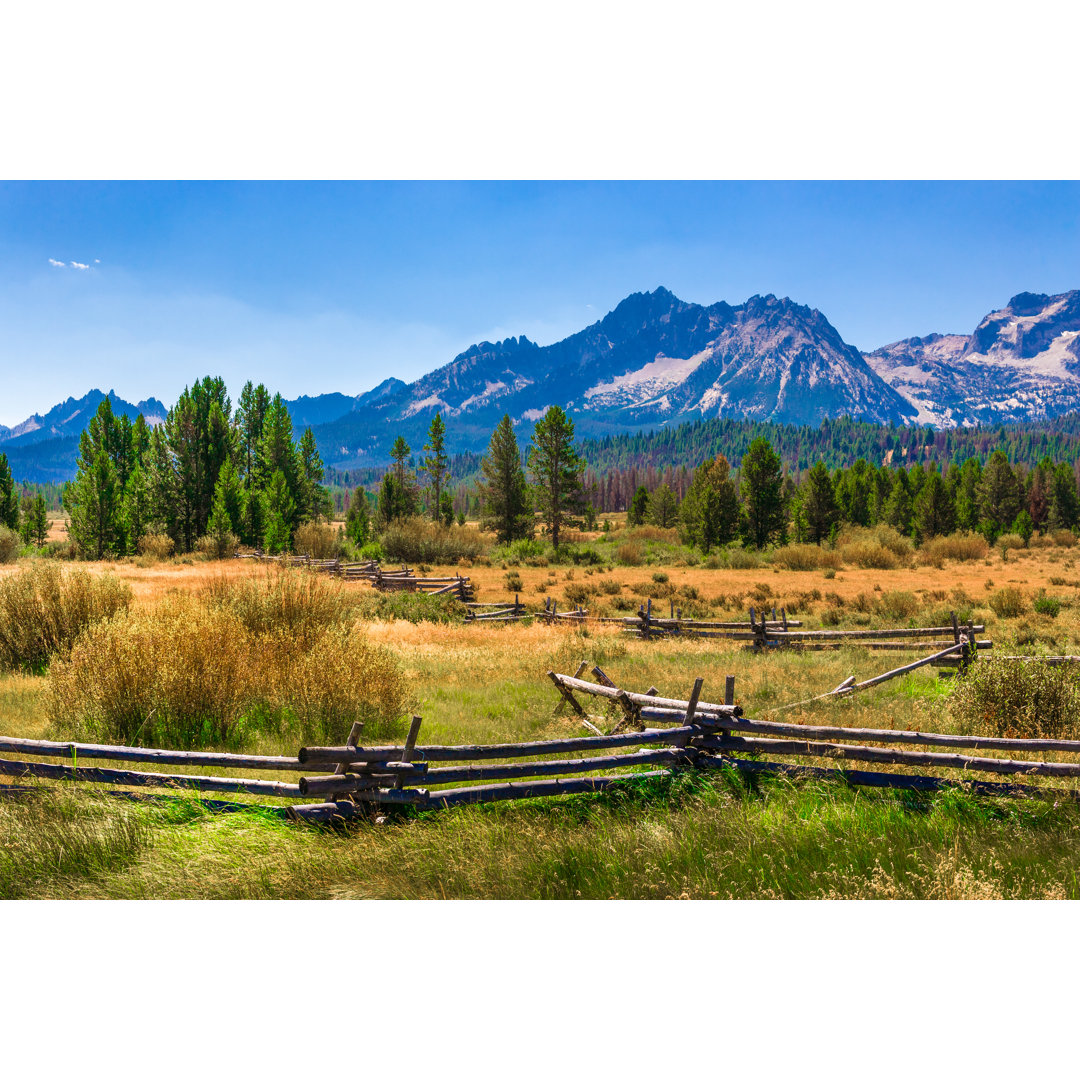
(657, 360)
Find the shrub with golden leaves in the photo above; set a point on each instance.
(156, 546)
(43, 609)
(319, 540)
(961, 546)
(186, 674)
(805, 557)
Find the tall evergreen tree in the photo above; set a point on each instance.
(663, 509)
(556, 470)
(710, 513)
(504, 494)
(280, 512)
(762, 485)
(436, 463)
(639, 507)
(819, 503)
(1064, 502)
(251, 409)
(999, 494)
(358, 518)
(935, 514)
(9, 499)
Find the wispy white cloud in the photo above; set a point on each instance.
(54, 262)
(79, 266)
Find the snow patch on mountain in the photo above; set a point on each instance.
(648, 383)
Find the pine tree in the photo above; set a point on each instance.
(556, 470)
(762, 485)
(93, 499)
(446, 509)
(137, 509)
(315, 498)
(436, 463)
(935, 514)
(663, 507)
(710, 514)
(819, 504)
(230, 501)
(251, 409)
(1064, 503)
(39, 518)
(280, 512)
(358, 519)
(899, 512)
(999, 494)
(504, 494)
(9, 499)
(639, 506)
(26, 517)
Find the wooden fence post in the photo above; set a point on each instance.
(410, 745)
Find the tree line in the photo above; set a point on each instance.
(238, 476)
(762, 502)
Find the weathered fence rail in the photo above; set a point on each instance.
(668, 734)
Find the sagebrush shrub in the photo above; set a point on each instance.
(1018, 699)
(318, 540)
(9, 545)
(961, 546)
(156, 546)
(805, 557)
(418, 540)
(43, 609)
(187, 674)
(1008, 602)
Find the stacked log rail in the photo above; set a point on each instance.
(354, 780)
(733, 735)
(71, 757)
(496, 612)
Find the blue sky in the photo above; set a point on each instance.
(314, 287)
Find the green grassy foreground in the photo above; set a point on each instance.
(714, 836)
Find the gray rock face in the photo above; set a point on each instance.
(1020, 363)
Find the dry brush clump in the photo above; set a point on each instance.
(961, 546)
(43, 609)
(806, 557)
(879, 548)
(187, 674)
(1018, 699)
(9, 545)
(319, 541)
(420, 541)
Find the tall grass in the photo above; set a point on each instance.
(189, 674)
(43, 610)
(418, 540)
(47, 837)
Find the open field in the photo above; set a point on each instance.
(691, 836)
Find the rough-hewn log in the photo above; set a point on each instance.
(101, 751)
(862, 778)
(883, 756)
(640, 699)
(92, 775)
(465, 774)
(334, 754)
(484, 793)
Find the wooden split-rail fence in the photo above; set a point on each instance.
(655, 736)
(496, 612)
(403, 580)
